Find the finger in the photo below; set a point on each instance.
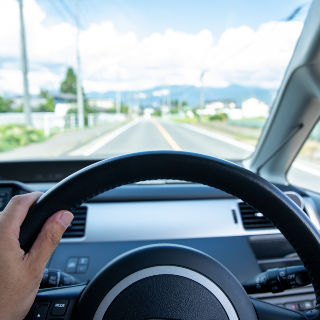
(18, 207)
(49, 237)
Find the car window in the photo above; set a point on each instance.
(98, 78)
(305, 170)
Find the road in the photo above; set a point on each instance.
(156, 134)
(151, 134)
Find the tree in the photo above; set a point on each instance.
(69, 84)
(5, 105)
(48, 106)
(124, 109)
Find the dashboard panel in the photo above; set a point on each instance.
(193, 215)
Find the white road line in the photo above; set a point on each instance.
(95, 145)
(218, 136)
(296, 165)
(306, 168)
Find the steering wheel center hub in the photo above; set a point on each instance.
(165, 282)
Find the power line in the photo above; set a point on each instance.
(67, 10)
(70, 13)
(57, 9)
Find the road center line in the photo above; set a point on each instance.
(166, 135)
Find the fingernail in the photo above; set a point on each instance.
(65, 218)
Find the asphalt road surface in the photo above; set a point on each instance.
(156, 134)
(152, 134)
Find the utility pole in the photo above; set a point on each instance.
(202, 74)
(24, 64)
(118, 102)
(79, 84)
(169, 100)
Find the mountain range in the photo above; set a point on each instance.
(189, 94)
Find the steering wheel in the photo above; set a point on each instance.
(171, 281)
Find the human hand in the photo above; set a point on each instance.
(20, 272)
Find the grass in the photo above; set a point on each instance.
(249, 130)
(15, 135)
(245, 130)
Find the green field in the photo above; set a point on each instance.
(14, 135)
(245, 130)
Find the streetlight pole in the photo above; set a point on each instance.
(79, 84)
(118, 102)
(202, 74)
(24, 64)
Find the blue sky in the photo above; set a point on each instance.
(148, 16)
(139, 44)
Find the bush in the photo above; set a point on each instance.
(156, 113)
(14, 135)
(219, 117)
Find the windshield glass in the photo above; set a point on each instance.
(103, 78)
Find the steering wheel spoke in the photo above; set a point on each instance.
(55, 303)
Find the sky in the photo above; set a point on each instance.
(139, 44)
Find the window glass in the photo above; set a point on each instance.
(100, 78)
(305, 171)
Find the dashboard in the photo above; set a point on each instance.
(193, 215)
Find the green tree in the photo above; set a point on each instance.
(48, 106)
(69, 84)
(124, 109)
(5, 105)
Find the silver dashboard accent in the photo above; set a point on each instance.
(164, 220)
(162, 270)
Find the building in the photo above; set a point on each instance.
(102, 103)
(217, 106)
(254, 108)
(35, 101)
(63, 102)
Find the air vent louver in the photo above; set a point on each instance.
(78, 225)
(252, 219)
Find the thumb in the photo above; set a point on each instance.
(49, 238)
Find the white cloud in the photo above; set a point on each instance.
(122, 60)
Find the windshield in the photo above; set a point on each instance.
(103, 78)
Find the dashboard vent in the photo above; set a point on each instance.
(78, 225)
(252, 219)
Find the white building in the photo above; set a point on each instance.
(102, 103)
(214, 107)
(34, 101)
(254, 108)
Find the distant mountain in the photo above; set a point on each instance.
(189, 94)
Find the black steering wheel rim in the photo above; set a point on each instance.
(111, 173)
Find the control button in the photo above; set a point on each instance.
(305, 305)
(84, 260)
(40, 312)
(59, 308)
(292, 306)
(82, 268)
(72, 265)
